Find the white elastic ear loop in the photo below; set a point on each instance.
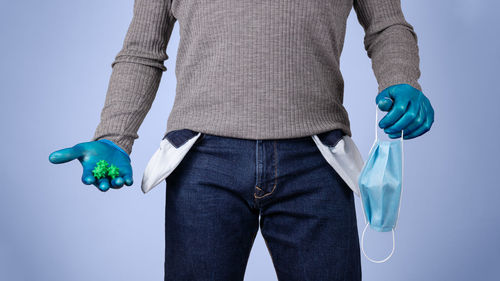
(363, 246)
(402, 176)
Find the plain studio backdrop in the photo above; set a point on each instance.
(55, 69)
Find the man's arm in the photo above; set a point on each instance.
(390, 42)
(136, 74)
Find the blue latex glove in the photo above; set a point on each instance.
(409, 110)
(89, 153)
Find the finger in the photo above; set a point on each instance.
(117, 182)
(128, 179)
(417, 122)
(64, 155)
(407, 118)
(396, 112)
(422, 129)
(103, 184)
(88, 177)
(385, 104)
(396, 135)
(429, 120)
(429, 109)
(384, 95)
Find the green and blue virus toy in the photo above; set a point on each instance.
(102, 169)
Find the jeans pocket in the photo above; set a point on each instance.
(340, 151)
(179, 137)
(331, 138)
(173, 147)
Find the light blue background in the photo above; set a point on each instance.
(55, 67)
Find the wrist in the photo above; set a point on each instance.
(115, 146)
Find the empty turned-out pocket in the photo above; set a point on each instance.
(340, 151)
(173, 147)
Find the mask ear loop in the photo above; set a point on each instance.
(366, 226)
(402, 176)
(363, 248)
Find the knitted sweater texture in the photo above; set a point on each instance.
(253, 69)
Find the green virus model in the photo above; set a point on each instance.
(113, 171)
(101, 169)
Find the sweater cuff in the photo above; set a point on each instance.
(400, 75)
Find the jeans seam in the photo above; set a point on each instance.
(275, 174)
(257, 196)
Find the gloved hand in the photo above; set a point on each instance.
(409, 110)
(89, 153)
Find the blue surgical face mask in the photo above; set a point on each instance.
(380, 184)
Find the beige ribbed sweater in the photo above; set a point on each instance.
(265, 69)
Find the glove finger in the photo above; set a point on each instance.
(103, 184)
(429, 110)
(395, 135)
(408, 117)
(427, 124)
(127, 178)
(385, 104)
(420, 131)
(397, 111)
(384, 95)
(64, 155)
(117, 182)
(88, 177)
(417, 122)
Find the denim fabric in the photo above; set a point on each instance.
(226, 188)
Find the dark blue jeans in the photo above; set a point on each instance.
(221, 188)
